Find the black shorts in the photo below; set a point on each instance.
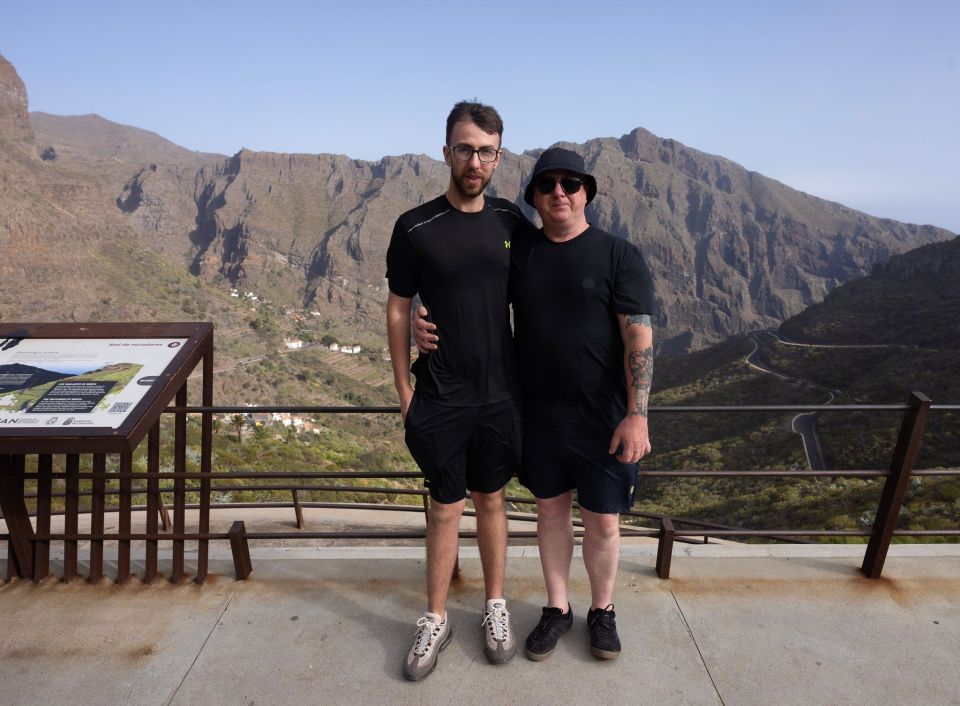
(556, 458)
(461, 448)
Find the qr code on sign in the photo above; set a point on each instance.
(119, 407)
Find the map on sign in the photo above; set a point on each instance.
(92, 382)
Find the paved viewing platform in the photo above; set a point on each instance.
(736, 624)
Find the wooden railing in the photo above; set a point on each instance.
(153, 484)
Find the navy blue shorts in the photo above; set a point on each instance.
(556, 458)
(461, 448)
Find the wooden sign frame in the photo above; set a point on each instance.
(29, 548)
(125, 438)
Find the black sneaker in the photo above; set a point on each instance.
(553, 623)
(604, 641)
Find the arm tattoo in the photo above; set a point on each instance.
(641, 319)
(641, 368)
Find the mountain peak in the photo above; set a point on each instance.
(14, 112)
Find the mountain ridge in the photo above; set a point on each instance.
(911, 299)
(730, 249)
(95, 136)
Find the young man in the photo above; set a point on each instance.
(462, 424)
(582, 301)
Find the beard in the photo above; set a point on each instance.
(466, 190)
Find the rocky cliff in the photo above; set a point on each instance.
(67, 252)
(15, 130)
(730, 249)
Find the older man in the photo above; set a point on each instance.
(582, 300)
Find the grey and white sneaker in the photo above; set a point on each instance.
(499, 645)
(432, 636)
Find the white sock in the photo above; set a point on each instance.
(436, 618)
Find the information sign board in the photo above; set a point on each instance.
(97, 387)
(79, 382)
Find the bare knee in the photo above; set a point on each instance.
(602, 528)
(443, 514)
(487, 504)
(554, 511)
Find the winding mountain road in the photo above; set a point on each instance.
(804, 424)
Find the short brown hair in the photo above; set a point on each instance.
(483, 116)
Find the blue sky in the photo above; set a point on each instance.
(858, 102)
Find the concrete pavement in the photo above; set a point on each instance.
(736, 624)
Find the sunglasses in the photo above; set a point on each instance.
(570, 185)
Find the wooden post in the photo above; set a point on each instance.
(153, 500)
(124, 518)
(98, 490)
(665, 547)
(179, 484)
(206, 440)
(71, 523)
(891, 499)
(19, 549)
(297, 508)
(41, 548)
(241, 550)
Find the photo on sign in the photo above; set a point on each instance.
(43, 391)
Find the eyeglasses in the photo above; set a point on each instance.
(465, 154)
(570, 185)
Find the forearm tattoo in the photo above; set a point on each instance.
(641, 369)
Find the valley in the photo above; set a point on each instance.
(765, 296)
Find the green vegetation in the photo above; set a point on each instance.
(741, 441)
(273, 447)
(254, 368)
(761, 440)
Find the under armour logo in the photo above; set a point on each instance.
(506, 244)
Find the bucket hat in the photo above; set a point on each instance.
(560, 159)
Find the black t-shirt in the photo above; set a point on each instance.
(459, 263)
(565, 300)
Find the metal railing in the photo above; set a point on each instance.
(155, 484)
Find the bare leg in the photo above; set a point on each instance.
(601, 552)
(555, 537)
(491, 539)
(443, 528)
